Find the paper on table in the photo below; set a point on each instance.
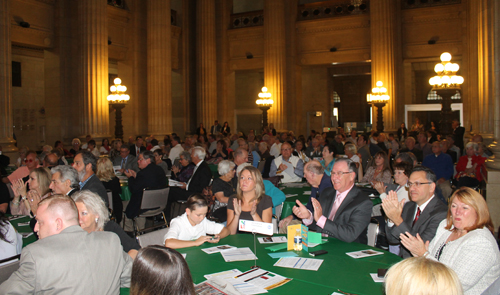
(217, 249)
(184, 255)
(364, 253)
(239, 254)
(299, 263)
(272, 240)
(283, 254)
(25, 235)
(307, 193)
(230, 277)
(263, 279)
(216, 287)
(16, 217)
(291, 195)
(376, 279)
(23, 223)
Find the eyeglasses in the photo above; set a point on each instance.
(417, 184)
(340, 173)
(29, 160)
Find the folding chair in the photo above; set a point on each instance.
(152, 238)
(277, 217)
(8, 266)
(373, 229)
(154, 201)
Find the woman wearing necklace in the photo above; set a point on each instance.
(250, 202)
(464, 242)
(328, 159)
(380, 170)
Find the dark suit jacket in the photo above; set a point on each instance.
(198, 131)
(132, 150)
(458, 135)
(95, 185)
(151, 177)
(352, 218)
(425, 226)
(72, 262)
(200, 179)
(130, 164)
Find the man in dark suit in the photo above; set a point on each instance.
(199, 180)
(150, 176)
(67, 259)
(420, 216)
(342, 212)
(138, 147)
(216, 128)
(85, 164)
(410, 147)
(126, 161)
(4, 162)
(458, 135)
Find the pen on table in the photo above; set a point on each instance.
(256, 276)
(345, 292)
(246, 272)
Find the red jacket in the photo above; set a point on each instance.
(462, 164)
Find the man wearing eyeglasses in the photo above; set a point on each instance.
(342, 212)
(288, 165)
(421, 216)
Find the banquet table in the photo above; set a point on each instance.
(338, 270)
(24, 229)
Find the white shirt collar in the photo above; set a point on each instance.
(422, 207)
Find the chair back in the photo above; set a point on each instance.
(152, 238)
(275, 179)
(373, 228)
(8, 266)
(110, 199)
(261, 166)
(277, 217)
(493, 289)
(154, 200)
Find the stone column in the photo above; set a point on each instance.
(275, 60)
(93, 76)
(6, 131)
(493, 163)
(383, 35)
(159, 67)
(206, 63)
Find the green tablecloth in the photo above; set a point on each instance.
(338, 270)
(24, 229)
(290, 202)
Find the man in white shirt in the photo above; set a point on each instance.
(288, 165)
(275, 148)
(420, 216)
(176, 149)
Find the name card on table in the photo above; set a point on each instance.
(256, 227)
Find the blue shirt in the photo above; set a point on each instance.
(82, 184)
(275, 193)
(441, 165)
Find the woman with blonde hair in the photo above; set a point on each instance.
(106, 175)
(420, 276)
(25, 201)
(464, 242)
(250, 202)
(94, 216)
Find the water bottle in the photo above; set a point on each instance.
(297, 241)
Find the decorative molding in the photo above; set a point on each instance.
(413, 4)
(331, 9)
(50, 2)
(327, 25)
(27, 51)
(247, 19)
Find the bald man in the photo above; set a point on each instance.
(67, 259)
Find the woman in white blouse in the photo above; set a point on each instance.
(464, 242)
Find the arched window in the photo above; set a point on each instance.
(336, 97)
(432, 95)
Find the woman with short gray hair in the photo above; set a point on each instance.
(469, 167)
(183, 171)
(94, 216)
(222, 189)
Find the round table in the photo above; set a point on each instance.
(338, 271)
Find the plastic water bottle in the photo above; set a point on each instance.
(297, 241)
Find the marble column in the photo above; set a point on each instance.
(493, 163)
(6, 131)
(206, 63)
(159, 67)
(275, 60)
(93, 75)
(383, 52)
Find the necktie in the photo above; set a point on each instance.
(124, 161)
(416, 217)
(336, 205)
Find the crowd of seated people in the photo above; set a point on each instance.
(422, 165)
